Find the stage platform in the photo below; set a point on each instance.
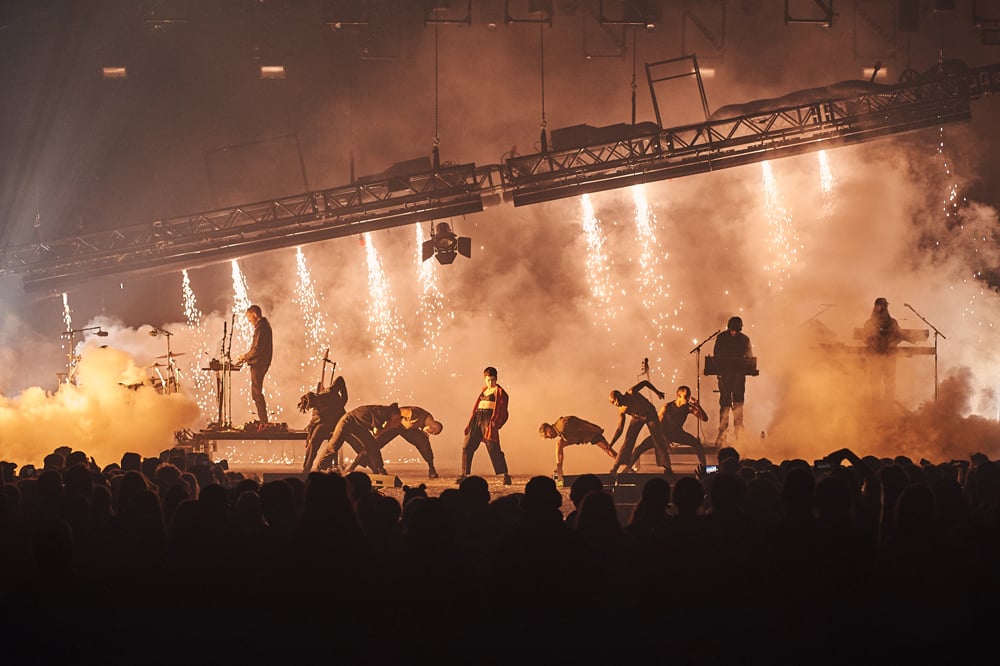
(207, 440)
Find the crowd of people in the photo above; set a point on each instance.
(852, 559)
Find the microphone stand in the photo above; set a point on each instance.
(936, 334)
(73, 359)
(173, 374)
(697, 371)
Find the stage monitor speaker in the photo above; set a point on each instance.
(385, 481)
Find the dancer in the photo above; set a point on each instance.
(258, 357)
(415, 426)
(732, 348)
(672, 416)
(632, 403)
(359, 427)
(573, 430)
(327, 407)
(488, 415)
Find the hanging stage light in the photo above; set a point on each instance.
(444, 245)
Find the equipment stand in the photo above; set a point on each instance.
(697, 373)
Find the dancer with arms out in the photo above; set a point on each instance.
(641, 411)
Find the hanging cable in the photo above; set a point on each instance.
(541, 28)
(633, 77)
(437, 137)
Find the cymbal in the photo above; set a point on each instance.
(157, 365)
(172, 354)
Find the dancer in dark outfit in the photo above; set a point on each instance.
(634, 404)
(672, 417)
(489, 413)
(327, 407)
(416, 426)
(359, 428)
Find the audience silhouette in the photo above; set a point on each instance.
(785, 560)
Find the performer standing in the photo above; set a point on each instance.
(881, 334)
(488, 415)
(327, 407)
(634, 404)
(258, 357)
(731, 350)
(416, 424)
(573, 430)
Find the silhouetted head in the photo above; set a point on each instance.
(735, 324)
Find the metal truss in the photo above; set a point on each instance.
(747, 138)
(647, 153)
(219, 235)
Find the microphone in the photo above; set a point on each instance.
(154, 333)
(101, 334)
(906, 304)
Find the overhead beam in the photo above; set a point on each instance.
(644, 153)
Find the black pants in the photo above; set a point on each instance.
(418, 438)
(319, 429)
(257, 373)
(678, 436)
(359, 438)
(626, 455)
(475, 438)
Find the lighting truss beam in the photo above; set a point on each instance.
(645, 155)
(219, 235)
(748, 138)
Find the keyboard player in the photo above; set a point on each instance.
(881, 335)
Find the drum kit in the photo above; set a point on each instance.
(164, 377)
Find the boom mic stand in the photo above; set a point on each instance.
(697, 372)
(936, 334)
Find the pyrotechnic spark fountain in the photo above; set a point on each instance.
(782, 242)
(383, 320)
(827, 183)
(598, 266)
(317, 336)
(653, 285)
(431, 306)
(952, 206)
(201, 383)
(67, 316)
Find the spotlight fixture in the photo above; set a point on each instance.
(444, 245)
(272, 71)
(116, 72)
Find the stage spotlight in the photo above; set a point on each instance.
(444, 245)
(117, 72)
(272, 71)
